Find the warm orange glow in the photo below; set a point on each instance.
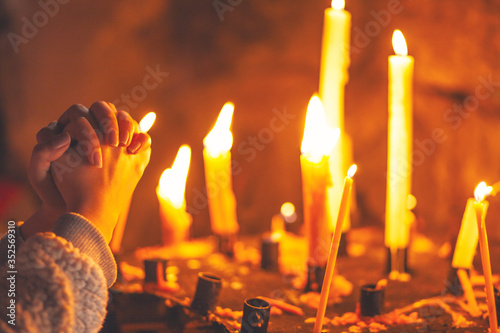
(220, 139)
(319, 139)
(288, 212)
(352, 170)
(338, 4)
(146, 122)
(399, 43)
(481, 191)
(172, 185)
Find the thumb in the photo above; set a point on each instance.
(39, 171)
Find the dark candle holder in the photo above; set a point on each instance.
(269, 254)
(154, 269)
(256, 313)
(315, 277)
(207, 293)
(226, 244)
(371, 300)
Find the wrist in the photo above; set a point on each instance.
(102, 221)
(42, 220)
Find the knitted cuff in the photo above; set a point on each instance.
(89, 240)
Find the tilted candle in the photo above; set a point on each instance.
(334, 75)
(170, 192)
(218, 174)
(399, 164)
(467, 238)
(480, 207)
(332, 258)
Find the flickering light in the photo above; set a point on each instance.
(172, 184)
(220, 139)
(146, 122)
(338, 4)
(399, 43)
(319, 139)
(481, 191)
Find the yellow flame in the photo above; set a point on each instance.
(146, 122)
(481, 191)
(220, 138)
(399, 43)
(338, 4)
(352, 170)
(319, 139)
(172, 185)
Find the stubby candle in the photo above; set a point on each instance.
(317, 143)
(218, 175)
(467, 237)
(399, 145)
(332, 258)
(175, 220)
(334, 75)
(480, 207)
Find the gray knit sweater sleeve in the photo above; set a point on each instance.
(61, 280)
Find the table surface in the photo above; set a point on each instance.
(429, 274)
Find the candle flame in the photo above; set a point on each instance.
(146, 122)
(277, 227)
(481, 191)
(338, 4)
(319, 139)
(352, 170)
(172, 185)
(220, 138)
(399, 43)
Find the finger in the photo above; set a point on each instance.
(127, 127)
(47, 132)
(39, 170)
(82, 131)
(142, 141)
(106, 117)
(75, 111)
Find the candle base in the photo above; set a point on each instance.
(371, 300)
(269, 255)
(343, 246)
(400, 261)
(452, 283)
(315, 277)
(497, 303)
(226, 244)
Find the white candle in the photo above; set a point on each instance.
(334, 75)
(399, 144)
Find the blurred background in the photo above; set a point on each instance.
(264, 56)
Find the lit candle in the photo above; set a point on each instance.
(480, 207)
(334, 75)
(399, 146)
(317, 143)
(218, 175)
(175, 220)
(116, 241)
(332, 258)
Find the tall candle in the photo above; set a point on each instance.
(399, 144)
(332, 258)
(218, 174)
(467, 237)
(317, 143)
(170, 192)
(334, 75)
(480, 208)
